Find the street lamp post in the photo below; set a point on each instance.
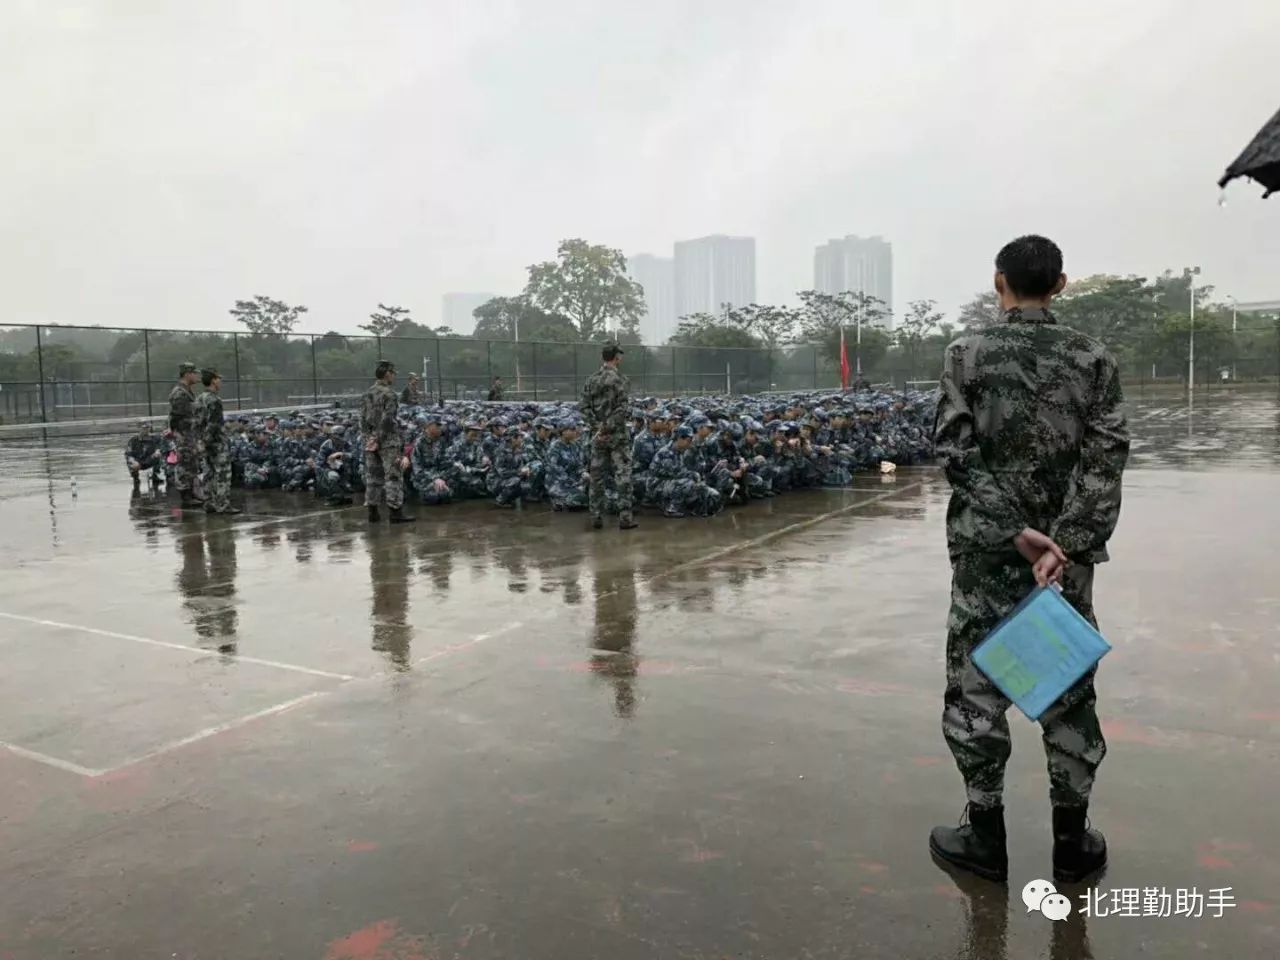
(1191, 273)
(1234, 309)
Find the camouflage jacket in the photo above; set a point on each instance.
(378, 416)
(565, 464)
(604, 403)
(1031, 434)
(143, 449)
(643, 449)
(431, 457)
(208, 421)
(672, 464)
(508, 462)
(182, 405)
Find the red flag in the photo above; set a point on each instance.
(844, 363)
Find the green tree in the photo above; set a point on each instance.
(267, 317)
(707, 330)
(588, 285)
(980, 312)
(824, 315)
(771, 325)
(386, 322)
(915, 328)
(503, 317)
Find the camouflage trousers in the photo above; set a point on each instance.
(332, 483)
(425, 486)
(188, 466)
(984, 588)
(383, 478)
(612, 460)
(216, 478)
(687, 496)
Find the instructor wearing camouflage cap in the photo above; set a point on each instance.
(182, 408)
(606, 408)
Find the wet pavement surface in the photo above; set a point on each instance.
(499, 734)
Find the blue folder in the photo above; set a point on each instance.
(1038, 652)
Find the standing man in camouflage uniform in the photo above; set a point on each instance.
(607, 409)
(182, 404)
(211, 431)
(384, 461)
(1030, 431)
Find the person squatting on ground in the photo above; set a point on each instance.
(385, 461)
(605, 408)
(210, 430)
(142, 453)
(182, 402)
(1033, 441)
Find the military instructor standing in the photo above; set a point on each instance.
(607, 410)
(384, 459)
(182, 408)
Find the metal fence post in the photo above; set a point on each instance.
(574, 392)
(535, 370)
(488, 352)
(315, 376)
(439, 374)
(815, 366)
(235, 347)
(674, 354)
(44, 414)
(146, 362)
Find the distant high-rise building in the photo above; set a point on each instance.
(712, 271)
(455, 310)
(860, 264)
(657, 276)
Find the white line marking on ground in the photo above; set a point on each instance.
(58, 625)
(213, 731)
(478, 638)
(49, 761)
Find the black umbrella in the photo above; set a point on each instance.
(1260, 159)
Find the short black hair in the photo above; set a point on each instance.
(384, 367)
(208, 376)
(1031, 265)
(610, 351)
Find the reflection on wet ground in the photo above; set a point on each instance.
(497, 733)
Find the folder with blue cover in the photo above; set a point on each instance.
(1036, 653)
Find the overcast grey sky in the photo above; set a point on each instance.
(162, 158)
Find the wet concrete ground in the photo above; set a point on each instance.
(497, 734)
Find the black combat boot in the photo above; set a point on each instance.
(137, 484)
(977, 846)
(597, 523)
(374, 515)
(190, 500)
(627, 523)
(399, 516)
(1078, 850)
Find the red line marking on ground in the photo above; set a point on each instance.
(1122, 731)
(363, 944)
(951, 893)
(361, 846)
(871, 866)
(1255, 906)
(872, 688)
(1211, 861)
(865, 889)
(1265, 716)
(926, 761)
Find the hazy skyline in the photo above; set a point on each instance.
(167, 158)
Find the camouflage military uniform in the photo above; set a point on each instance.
(607, 409)
(333, 468)
(381, 431)
(470, 467)
(678, 486)
(1030, 431)
(564, 468)
(643, 449)
(182, 402)
(211, 431)
(507, 480)
(431, 462)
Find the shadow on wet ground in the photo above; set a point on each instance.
(498, 734)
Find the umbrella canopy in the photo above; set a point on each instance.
(1260, 159)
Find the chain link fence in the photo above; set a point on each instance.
(51, 374)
